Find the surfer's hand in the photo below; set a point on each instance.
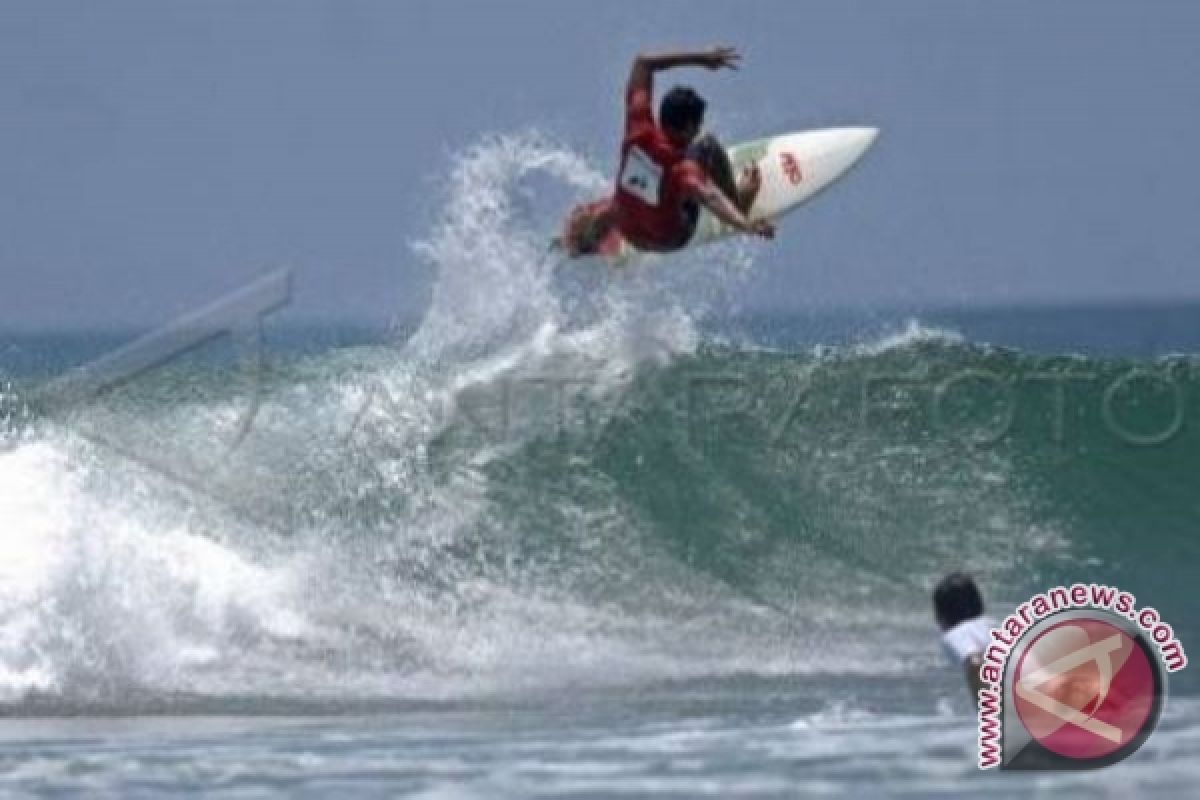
(721, 57)
(763, 228)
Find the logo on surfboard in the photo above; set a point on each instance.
(790, 167)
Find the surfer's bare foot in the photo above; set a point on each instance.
(748, 185)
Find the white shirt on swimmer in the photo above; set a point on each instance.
(967, 638)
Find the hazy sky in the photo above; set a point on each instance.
(154, 155)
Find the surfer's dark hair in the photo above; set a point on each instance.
(680, 108)
(956, 599)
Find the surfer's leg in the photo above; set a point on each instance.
(748, 185)
(709, 154)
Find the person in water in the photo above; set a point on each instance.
(667, 169)
(958, 609)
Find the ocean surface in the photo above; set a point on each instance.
(575, 532)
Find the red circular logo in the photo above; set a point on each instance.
(1084, 688)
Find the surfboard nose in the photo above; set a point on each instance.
(847, 145)
(829, 152)
(859, 139)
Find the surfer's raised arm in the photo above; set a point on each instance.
(641, 76)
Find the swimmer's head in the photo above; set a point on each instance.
(956, 599)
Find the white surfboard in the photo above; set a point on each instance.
(794, 167)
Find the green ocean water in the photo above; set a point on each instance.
(733, 545)
(805, 493)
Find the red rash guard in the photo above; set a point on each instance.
(653, 181)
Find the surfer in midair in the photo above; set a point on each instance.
(667, 169)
